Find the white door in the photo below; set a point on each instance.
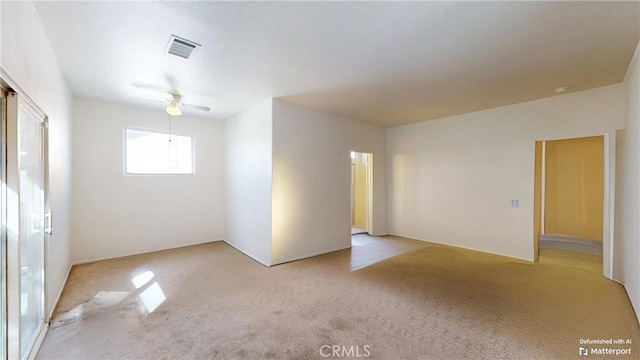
(25, 196)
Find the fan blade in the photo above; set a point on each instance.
(170, 95)
(155, 101)
(198, 107)
(159, 89)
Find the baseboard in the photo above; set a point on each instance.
(80, 262)
(310, 255)
(33, 353)
(267, 264)
(464, 247)
(55, 303)
(635, 311)
(571, 243)
(379, 235)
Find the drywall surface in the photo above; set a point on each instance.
(115, 214)
(26, 56)
(626, 248)
(452, 180)
(311, 180)
(248, 169)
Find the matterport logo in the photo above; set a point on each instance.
(343, 351)
(615, 348)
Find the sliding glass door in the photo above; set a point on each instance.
(30, 130)
(25, 225)
(3, 226)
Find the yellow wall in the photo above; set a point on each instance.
(574, 184)
(360, 187)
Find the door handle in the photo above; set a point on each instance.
(48, 220)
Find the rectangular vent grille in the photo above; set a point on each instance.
(181, 47)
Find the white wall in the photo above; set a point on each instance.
(452, 180)
(311, 180)
(627, 213)
(248, 168)
(115, 214)
(26, 56)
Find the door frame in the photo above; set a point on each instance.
(538, 198)
(369, 191)
(608, 204)
(353, 194)
(3, 225)
(368, 160)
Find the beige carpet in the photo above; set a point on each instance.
(435, 302)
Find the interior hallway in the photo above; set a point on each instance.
(572, 259)
(211, 301)
(357, 230)
(367, 250)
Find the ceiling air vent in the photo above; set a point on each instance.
(180, 47)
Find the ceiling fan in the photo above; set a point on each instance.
(174, 103)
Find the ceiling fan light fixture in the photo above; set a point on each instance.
(173, 110)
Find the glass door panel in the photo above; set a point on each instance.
(31, 231)
(3, 233)
(23, 230)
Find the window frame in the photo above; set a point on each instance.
(157, 131)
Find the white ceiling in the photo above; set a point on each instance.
(386, 63)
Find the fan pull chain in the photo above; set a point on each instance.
(169, 127)
(169, 144)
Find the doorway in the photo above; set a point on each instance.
(361, 193)
(570, 196)
(23, 224)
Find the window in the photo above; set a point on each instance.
(148, 152)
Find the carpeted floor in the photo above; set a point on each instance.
(436, 302)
